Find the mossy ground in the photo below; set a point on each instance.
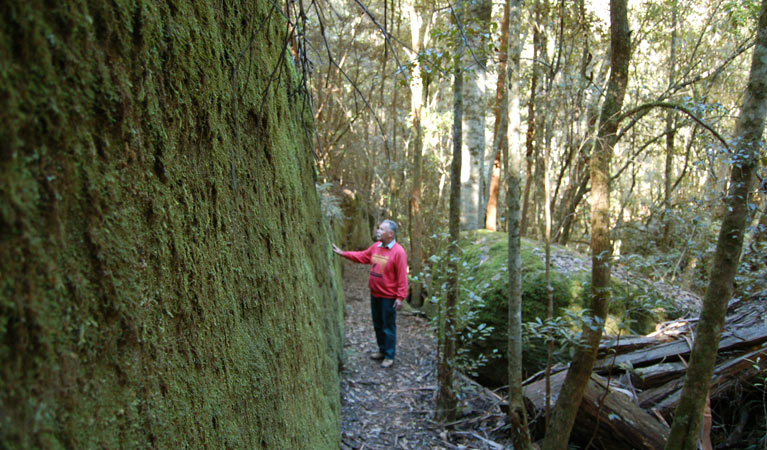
(165, 274)
(635, 308)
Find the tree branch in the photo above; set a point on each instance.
(642, 111)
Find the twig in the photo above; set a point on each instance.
(425, 388)
(476, 436)
(386, 38)
(642, 110)
(332, 61)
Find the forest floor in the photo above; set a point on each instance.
(394, 407)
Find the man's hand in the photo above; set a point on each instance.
(398, 303)
(337, 250)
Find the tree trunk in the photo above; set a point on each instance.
(416, 105)
(500, 137)
(670, 135)
(531, 135)
(446, 398)
(566, 408)
(474, 109)
(517, 412)
(576, 191)
(748, 131)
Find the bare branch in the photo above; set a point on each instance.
(386, 37)
(332, 61)
(643, 110)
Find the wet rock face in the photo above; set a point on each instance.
(165, 274)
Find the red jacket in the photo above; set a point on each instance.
(388, 269)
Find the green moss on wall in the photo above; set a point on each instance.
(165, 278)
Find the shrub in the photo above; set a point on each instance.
(483, 305)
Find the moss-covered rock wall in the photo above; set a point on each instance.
(165, 274)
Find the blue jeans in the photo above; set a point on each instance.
(385, 324)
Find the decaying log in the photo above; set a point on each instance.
(622, 424)
(654, 366)
(739, 338)
(651, 397)
(669, 351)
(656, 375)
(627, 343)
(727, 376)
(747, 312)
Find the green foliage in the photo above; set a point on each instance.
(635, 307)
(685, 254)
(743, 14)
(166, 278)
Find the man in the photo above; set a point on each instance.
(388, 286)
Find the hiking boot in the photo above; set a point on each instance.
(387, 363)
(377, 356)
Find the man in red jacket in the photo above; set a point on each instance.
(388, 286)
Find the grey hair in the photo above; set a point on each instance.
(392, 226)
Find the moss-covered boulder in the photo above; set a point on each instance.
(165, 273)
(636, 306)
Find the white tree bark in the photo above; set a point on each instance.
(474, 113)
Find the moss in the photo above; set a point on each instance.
(635, 304)
(166, 279)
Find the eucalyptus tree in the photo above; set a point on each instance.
(446, 396)
(506, 131)
(474, 30)
(668, 172)
(744, 161)
(534, 116)
(589, 85)
(571, 393)
(508, 142)
(502, 115)
(420, 20)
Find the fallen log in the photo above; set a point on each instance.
(652, 397)
(645, 356)
(746, 312)
(608, 421)
(727, 375)
(656, 375)
(738, 338)
(626, 344)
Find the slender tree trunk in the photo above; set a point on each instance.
(748, 131)
(670, 135)
(446, 398)
(500, 138)
(542, 128)
(547, 201)
(474, 112)
(568, 402)
(517, 413)
(577, 191)
(531, 136)
(547, 245)
(416, 105)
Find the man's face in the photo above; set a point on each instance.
(383, 233)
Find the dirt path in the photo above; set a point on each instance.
(393, 408)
